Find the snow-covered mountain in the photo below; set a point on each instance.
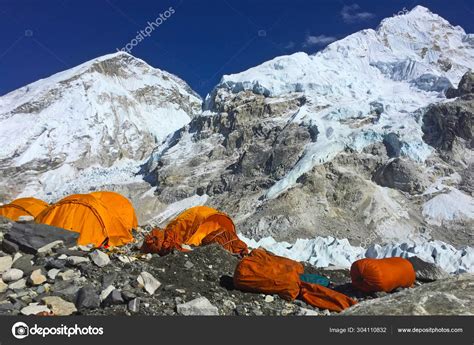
(339, 143)
(355, 142)
(365, 86)
(88, 126)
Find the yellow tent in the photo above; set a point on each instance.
(22, 207)
(89, 216)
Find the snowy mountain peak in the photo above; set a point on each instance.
(364, 86)
(106, 110)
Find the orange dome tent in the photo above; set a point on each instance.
(89, 216)
(191, 227)
(120, 206)
(22, 207)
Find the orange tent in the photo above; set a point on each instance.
(22, 207)
(370, 275)
(264, 272)
(89, 216)
(190, 228)
(120, 206)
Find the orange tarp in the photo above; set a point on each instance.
(264, 272)
(89, 216)
(22, 207)
(191, 227)
(370, 275)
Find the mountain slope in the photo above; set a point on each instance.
(90, 125)
(330, 144)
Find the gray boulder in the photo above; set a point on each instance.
(401, 174)
(427, 272)
(452, 296)
(87, 298)
(31, 236)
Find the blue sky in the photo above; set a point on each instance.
(199, 42)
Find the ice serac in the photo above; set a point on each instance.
(339, 143)
(88, 126)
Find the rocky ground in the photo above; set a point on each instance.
(45, 277)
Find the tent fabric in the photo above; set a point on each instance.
(22, 207)
(324, 298)
(264, 272)
(120, 206)
(191, 227)
(371, 275)
(228, 240)
(87, 215)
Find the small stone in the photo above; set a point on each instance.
(188, 264)
(186, 247)
(5, 263)
(11, 275)
(6, 307)
(76, 260)
(115, 297)
(37, 277)
(52, 273)
(198, 306)
(87, 298)
(24, 263)
(34, 308)
(307, 312)
(62, 257)
(148, 282)
(99, 258)
(3, 286)
(181, 291)
(134, 305)
(18, 285)
(229, 304)
(105, 293)
(10, 247)
(59, 306)
(69, 275)
(269, 298)
(49, 247)
(56, 263)
(87, 248)
(128, 295)
(126, 259)
(25, 219)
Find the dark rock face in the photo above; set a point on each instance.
(443, 123)
(426, 271)
(400, 174)
(392, 145)
(31, 237)
(466, 86)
